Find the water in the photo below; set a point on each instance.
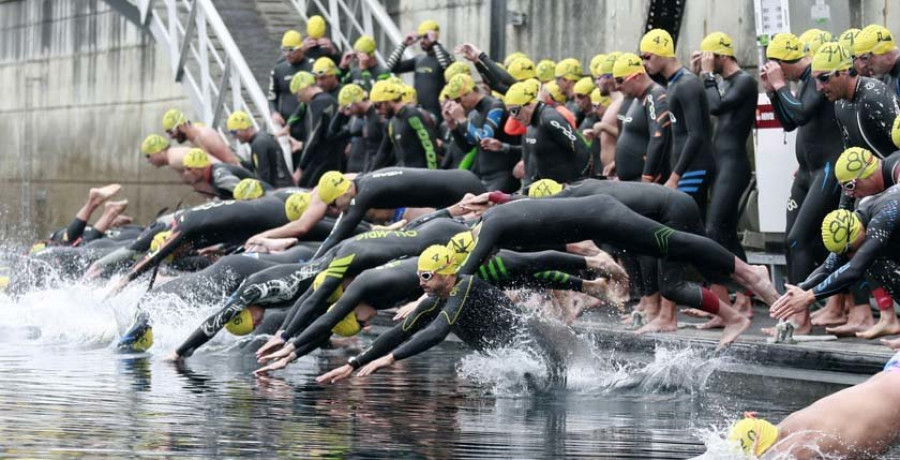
(64, 393)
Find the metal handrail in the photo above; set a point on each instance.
(193, 34)
(370, 12)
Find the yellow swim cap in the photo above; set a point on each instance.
(520, 93)
(831, 57)
(437, 259)
(584, 86)
(874, 39)
(597, 98)
(895, 132)
(570, 69)
(408, 95)
(840, 229)
(508, 60)
(460, 245)
(385, 91)
(555, 93)
(755, 435)
(159, 239)
(347, 327)
(154, 144)
(248, 189)
(315, 27)
(296, 205)
(543, 188)
(595, 64)
(658, 42)
(442, 96)
(173, 119)
(459, 86)
(784, 47)
(719, 43)
(145, 342)
(332, 185)
(522, 69)
(4, 283)
(855, 163)
(291, 39)
(238, 120)
(545, 70)
(628, 64)
(847, 39)
(364, 44)
(455, 69)
(427, 26)
(351, 93)
(395, 80)
(36, 248)
(813, 39)
(606, 67)
(301, 81)
(196, 158)
(241, 324)
(335, 295)
(324, 66)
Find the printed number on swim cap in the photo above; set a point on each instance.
(435, 258)
(658, 39)
(838, 225)
(855, 161)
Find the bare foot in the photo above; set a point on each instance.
(121, 221)
(847, 330)
(659, 324)
(99, 195)
(894, 344)
(829, 318)
(881, 329)
(714, 320)
(743, 305)
(732, 331)
(116, 207)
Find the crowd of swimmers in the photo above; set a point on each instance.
(501, 199)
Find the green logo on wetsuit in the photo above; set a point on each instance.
(386, 233)
(430, 155)
(494, 270)
(662, 239)
(338, 267)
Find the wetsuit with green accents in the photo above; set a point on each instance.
(485, 121)
(365, 251)
(268, 159)
(319, 155)
(554, 148)
(392, 188)
(866, 120)
(366, 78)
(877, 256)
(691, 136)
(645, 137)
(733, 102)
(815, 191)
(410, 140)
(429, 73)
(593, 145)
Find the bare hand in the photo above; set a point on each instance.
(695, 61)
(373, 367)
(456, 111)
(707, 61)
(308, 43)
(346, 59)
(491, 145)
(519, 170)
(395, 226)
(795, 300)
(589, 134)
(173, 358)
(275, 365)
(405, 310)
(609, 169)
(774, 75)
(672, 182)
(410, 38)
(335, 375)
(326, 44)
(470, 51)
(273, 345)
(277, 119)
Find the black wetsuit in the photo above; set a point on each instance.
(733, 103)
(892, 79)
(493, 75)
(593, 145)
(815, 191)
(365, 134)
(692, 157)
(224, 177)
(366, 78)
(392, 188)
(319, 155)
(268, 159)
(645, 137)
(454, 155)
(551, 144)
(429, 69)
(409, 140)
(486, 120)
(280, 98)
(877, 256)
(866, 121)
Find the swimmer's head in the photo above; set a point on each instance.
(332, 186)
(335, 295)
(455, 69)
(296, 205)
(855, 163)
(543, 188)
(545, 70)
(755, 435)
(347, 327)
(246, 321)
(460, 245)
(248, 189)
(196, 159)
(840, 230)
(158, 241)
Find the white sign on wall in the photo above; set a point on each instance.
(776, 163)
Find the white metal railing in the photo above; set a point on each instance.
(349, 19)
(207, 62)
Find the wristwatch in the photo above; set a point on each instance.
(353, 362)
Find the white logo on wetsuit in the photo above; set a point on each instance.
(565, 131)
(388, 174)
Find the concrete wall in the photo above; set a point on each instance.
(81, 87)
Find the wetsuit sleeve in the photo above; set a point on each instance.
(565, 136)
(443, 57)
(697, 127)
(154, 259)
(321, 111)
(660, 122)
(555, 279)
(73, 232)
(873, 117)
(339, 128)
(223, 179)
(397, 64)
(794, 112)
(832, 262)
(424, 314)
(384, 157)
(273, 92)
(737, 95)
(438, 330)
(323, 325)
(489, 128)
(345, 225)
(210, 327)
(313, 306)
(878, 235)
(294, 309)
(498, 79)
